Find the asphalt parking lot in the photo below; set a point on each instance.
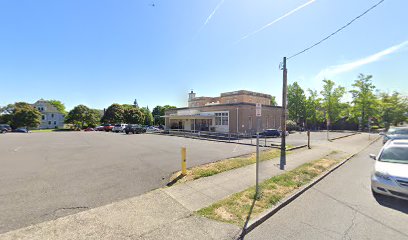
(44, 176)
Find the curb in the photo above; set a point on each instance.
(269, 213)
(332, 139)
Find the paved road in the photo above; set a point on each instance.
(340, 207)
(48, 175)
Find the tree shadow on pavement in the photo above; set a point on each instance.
(391, 202)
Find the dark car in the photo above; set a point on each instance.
(270, 133)
(134, 128)
(20, 130)
(5, 128)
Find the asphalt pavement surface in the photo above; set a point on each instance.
(341, 206)
(44, 176)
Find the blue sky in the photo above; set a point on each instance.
(101, 52)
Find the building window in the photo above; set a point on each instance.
(55, 122)
(49, 122)
(43, 117)
(221, 119)
(52, 115)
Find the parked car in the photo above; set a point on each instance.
(108, 127)
(119, 128)
(99, 128)
(134, 128)
(152, 129)
(89, 129)
(21, 130)
(5, 128)
(395, 133)
(286, 132)
(390, 176)
(270, 133)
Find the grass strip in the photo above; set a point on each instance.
(235, 208)
(210, 169)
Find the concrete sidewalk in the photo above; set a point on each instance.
(168, 213)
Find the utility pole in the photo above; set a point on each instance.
(283, 119)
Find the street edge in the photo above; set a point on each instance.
(355, 133)
(269, 213)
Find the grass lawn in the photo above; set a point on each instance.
(235, 208)
(43, 130)
(210, 169)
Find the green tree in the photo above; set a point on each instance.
(133, 115)
(114, 114)
(273, 101)
(296, 103)
(158, 112)
(58, 105)
(314, 115)
(331, 100)
(82, 116)
(148, 117)
(24, 115)
(393, 109)
(365, 104)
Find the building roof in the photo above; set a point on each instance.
(49, 107)
(223, 105)
(245, 92)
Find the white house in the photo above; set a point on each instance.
(51, 117)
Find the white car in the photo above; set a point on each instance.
(152, 129)
(390, 176)
(119, 128)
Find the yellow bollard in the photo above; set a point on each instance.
(183, 161)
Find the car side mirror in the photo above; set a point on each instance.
(382, 133)
(373, 156)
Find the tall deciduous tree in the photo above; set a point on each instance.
(24, 115)
(273, 101)
(58, 105)
(148, 117)
(314, 115)
(296, 103)
(393, 109)
(113, 114)
(132, 115)
(365, 103)
(331, 101)
(82, 116)
(158, 113)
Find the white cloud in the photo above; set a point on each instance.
(276, 20)
(332, 71)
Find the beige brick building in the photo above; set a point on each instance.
(230, 112)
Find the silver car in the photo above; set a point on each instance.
(395, 133)
(390, 176)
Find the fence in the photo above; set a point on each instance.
(241, 138)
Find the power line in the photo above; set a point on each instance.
(338, 30)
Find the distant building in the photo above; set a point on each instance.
(230, 112)
(51, 117)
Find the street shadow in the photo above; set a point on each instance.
(245, 229)
(391, 202)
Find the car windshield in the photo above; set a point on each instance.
(117, 125)
(402, 131)
(395, 154)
